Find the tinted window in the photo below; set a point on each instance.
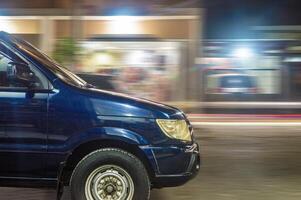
(7, 57)
(52, 65)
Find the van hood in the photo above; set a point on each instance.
(117, 104)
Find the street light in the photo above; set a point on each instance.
(123, 25)
(243, 53)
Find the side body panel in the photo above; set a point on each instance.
(23, 136)
(76, 117)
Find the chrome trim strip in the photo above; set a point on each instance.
(192, 149)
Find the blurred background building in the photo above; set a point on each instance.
(216, 56)
(148, 48)
(251, 61)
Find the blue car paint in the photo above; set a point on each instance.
(45, 127)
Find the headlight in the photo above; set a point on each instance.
(177, 129)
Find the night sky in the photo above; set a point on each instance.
(232, 19)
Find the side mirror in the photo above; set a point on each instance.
(20, 73)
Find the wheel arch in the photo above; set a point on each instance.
(86, 148)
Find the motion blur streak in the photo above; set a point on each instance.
(233, 66)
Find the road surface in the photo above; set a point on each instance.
(239, 163)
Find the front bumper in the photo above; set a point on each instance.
(175, 165)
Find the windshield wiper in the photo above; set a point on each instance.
(88, 85)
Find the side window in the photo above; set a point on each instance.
(6, 58)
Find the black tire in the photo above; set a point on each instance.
(110, 156)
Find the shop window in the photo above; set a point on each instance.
(141, 69)
(248, 79)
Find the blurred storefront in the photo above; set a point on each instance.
(148, 69)
(150, 52)
(243, 70)
(240, 76)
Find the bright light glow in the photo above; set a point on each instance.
(6, 26)
(123, 25)
(103, 59)
(136, 58)
(243, 53)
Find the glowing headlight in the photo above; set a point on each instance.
(177, 129)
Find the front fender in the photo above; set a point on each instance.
(110, 134)
(106, 133)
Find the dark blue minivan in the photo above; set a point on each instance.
(58, 130)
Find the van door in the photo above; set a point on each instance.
(23, 121)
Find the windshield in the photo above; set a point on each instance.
(61, 72)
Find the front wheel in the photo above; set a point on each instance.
(110, 174)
